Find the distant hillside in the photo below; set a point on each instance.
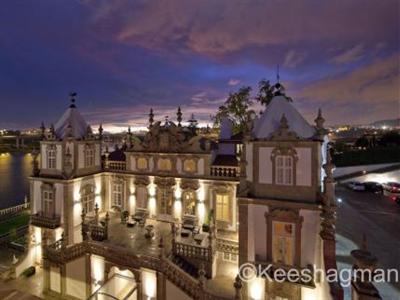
(389, 122)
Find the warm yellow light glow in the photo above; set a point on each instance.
(97, 200)
(178, 190)
(77, 191)
(97, 266)
(149, 280)
(152, 206)
(309, 294)
(132, 203)
(177, 209)
(201, 194)
(256, 288)
(152, 190)
(201, 211)
(58, 233)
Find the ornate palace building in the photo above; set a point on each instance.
(174, 214)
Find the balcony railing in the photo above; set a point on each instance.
(116, 165)
(45, 220)
(225, 171)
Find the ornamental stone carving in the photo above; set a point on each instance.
(190, 184)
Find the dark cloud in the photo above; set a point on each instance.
(124, 56)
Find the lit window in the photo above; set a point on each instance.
(142, 163)
(189, 165)
(189, 202)
(164, 164)
(283, 238)
(118, 194)
(87, 198)
(48, 202)
(141, 197)
(284, 170)
(222, 207)
(89, 156)
(51, 157)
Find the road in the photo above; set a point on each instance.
(379, 218)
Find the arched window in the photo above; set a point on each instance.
(87, 198)
(164, 164)
(189, 202)
(51, 156)
(189, 165)
(89, 156)
(284, 169)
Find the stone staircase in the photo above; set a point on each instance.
(12, 294)
(184, 265)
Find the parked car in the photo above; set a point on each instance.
(391, 187)
(395, 198)
(356, 186)
(372, 186)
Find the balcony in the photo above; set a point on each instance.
(115, 165)
(225, 171)
(46, 221)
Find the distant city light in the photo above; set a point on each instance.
(340, 200)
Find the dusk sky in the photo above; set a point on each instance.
(123, 57)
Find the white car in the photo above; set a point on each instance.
(356, 186)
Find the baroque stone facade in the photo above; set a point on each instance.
(161, 217)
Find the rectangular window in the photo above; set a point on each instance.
(89, 156)
(117, 194)
(284, 170)
(283, 242)
(51, 158)
(48, 203)
(222, 207)
(141, 197)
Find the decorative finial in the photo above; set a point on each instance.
(72, 97)
(42, 131)
(101, 131)
(179, 116)
(277, 74)
(283, 123)
(319, 121)
(364, 245)
(151, 117)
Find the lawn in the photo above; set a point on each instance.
(14, 222)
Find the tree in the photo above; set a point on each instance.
(237, 109)
(266, 92)
(238, 105)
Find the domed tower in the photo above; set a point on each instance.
(69, 153)
(281, 199)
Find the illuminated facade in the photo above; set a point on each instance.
(173, 215)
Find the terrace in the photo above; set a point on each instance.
(191, 253)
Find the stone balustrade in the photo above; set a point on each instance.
(58, 253)
(227, 246)
(115, 165)
(46, 221)
(224, 171)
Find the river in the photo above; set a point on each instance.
(14, 171)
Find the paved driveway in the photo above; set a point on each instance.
(379, 218)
